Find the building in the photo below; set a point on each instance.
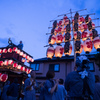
(62, 66)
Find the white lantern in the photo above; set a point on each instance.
(59, 50)
(4, 50)
(50, 52)
(88, 45)
(10, 62)
(85, 35)
(1, 51)
(19, 67)
(52, 39)
(6, 62)
(81, 20)
(96, 43)
(83, 27)
(59, 38)
(1, 63)
(10, 50)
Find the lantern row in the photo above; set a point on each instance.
(3, 77)
(15, 65)
(18, 51)
(67, 49)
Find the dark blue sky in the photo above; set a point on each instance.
(28, 20)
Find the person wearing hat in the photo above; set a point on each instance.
(80, 83)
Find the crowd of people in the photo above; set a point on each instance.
(80, 84)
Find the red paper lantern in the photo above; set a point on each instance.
(55, 31)
(60, 23)
(85, 35)
(83, 27)
(4, 50)
(67, 48)
(15, 49)
(1, 63)
(88, 45)
(93, 25)
(29, 71)
(1, 51)
(63, 30)
(59, 50)
(52, 39)
(59, 38)
(4, 77)
(15, 65)
(18, 51)
(77, 36)
(6, 62)
(96, 42)
(22, 68)
(64, 18)
(32, 60)
(24, 55)
(81, 20)
(10, 62)
(50, 52)
(19, 67)
(10, 50)
(67, 21)
(59, 29)
(26, 70)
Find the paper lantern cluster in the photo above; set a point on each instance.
(3, 77)
(19, 52)
(13, 64)
(83, 28)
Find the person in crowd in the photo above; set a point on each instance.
(4, 95)
(97, 88)
(30, 87)
(80, 84)
(20, 45)
(50, 87)
(13, 90)
(61, 92)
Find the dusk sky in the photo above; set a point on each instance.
(28, 20)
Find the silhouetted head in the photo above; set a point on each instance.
(61, 81)
(20, 42)
(50, 75)
(33, 74)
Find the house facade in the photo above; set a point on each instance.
(61, 66)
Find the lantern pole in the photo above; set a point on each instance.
(73, 38)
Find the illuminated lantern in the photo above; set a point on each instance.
(64, 18)
(24, 55)
(1, 63)
(4, 50)
(63, 30)
(83, 27)
(87, 19)
(4, 77)
(60, 23)
(59, 29)
(52, 39)
(15, 49)
(10, 50)
(27, 58)
(67, 21)
(50, 52)
(1, 51)
(10, 62)
(0, 75)
(57, 25)
(81, 20)
(19, 67)
(93, 25)
(26, 70)
(23, 68)
(59, 50)
(55, 31)
(78, 47)
(79, 27)
(59, 38)
(67, 48)
(18, 51)
(32, 60)
(29, 71)
(6, 62)
(85, 35)
(93, 34)
(67, 37)
(96, 43)
(21, 53)
(23, 60)
(77, 36)
(88, 45)
(15, 65)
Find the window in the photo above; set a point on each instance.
(54, 67)
(91, 65)
(35, 66)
